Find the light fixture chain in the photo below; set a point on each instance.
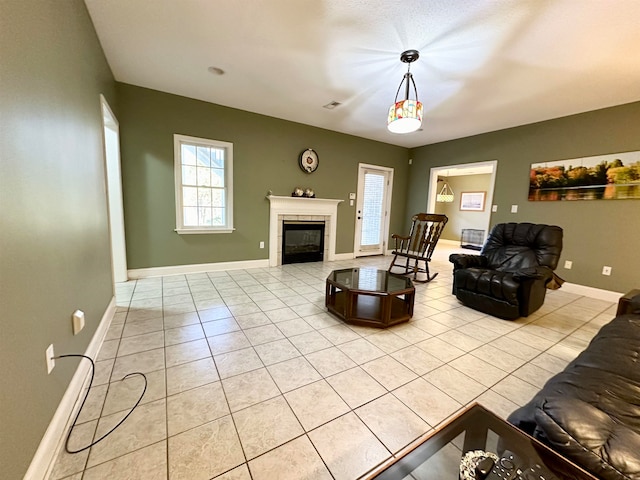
(399, 87)
(415, 89)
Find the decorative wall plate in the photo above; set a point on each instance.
(308, 160)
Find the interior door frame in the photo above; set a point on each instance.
(387, 209)
(438, 171)
(113, 183)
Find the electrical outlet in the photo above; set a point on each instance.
(568, 264)
(261, 244)
(494, 208)
(606, 270)
(78, 321)
(50, 361)
(514, 208)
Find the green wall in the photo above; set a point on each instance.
(265, 157)
(596, 232)
(54, 244)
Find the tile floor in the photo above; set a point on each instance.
(250, 378)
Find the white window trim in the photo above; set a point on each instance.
(228, 177)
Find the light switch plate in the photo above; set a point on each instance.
(78, 321)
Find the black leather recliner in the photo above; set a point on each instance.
(510, 276)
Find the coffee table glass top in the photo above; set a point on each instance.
(474, 432)
(370, 279)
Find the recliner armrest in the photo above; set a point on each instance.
(462, 260)
(533, 273)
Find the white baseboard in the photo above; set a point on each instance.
(343, 256)
(54, 438)
(591, 292)
(196, 268)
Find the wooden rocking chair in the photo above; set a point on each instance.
(419, 245)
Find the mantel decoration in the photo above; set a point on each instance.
(603, 177)
(308, 160)
(307, 192)
(405, 116)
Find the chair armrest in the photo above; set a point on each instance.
(400, 237)
(399, 241)
(461, 260)
(533, 273)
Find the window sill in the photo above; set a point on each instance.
(200, 231)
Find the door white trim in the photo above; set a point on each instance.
(436, 171)
(387, 209)
(113, 182)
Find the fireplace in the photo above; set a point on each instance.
(283, 209)
(302, 241)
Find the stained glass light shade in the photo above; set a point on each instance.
(405, 116)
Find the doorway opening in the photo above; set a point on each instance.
(475, 179)
(111, 139)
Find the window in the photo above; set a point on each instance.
(204, 185)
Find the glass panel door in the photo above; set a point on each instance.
(372, 218)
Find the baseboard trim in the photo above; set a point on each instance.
(591, 292)
(343, 256)
(196, 268)
(53, 439)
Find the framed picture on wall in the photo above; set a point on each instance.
(472, 201)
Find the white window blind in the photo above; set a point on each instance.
(372, 206)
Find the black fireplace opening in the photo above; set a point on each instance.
(302, 241)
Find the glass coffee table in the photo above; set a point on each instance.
(438, 455)
(370, 297)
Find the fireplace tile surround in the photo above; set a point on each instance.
(299, 209)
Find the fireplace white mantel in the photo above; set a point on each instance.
(279, 206)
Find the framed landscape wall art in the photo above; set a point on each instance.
(602, 177)
(472, 201)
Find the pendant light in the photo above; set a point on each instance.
(405, 116)
(446, 194)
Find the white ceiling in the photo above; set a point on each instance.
(484, 64)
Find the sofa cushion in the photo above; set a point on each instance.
(587, 435)
(590, 412)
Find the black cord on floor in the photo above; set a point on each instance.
(93, 369)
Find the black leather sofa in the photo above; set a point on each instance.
(590, 412)
(510, 276)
